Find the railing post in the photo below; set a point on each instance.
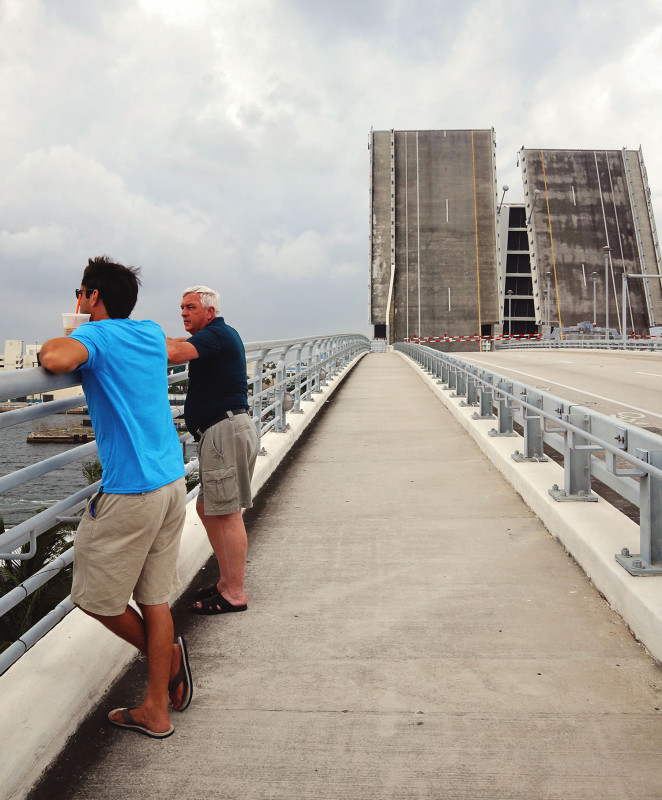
(333, 360)
(533, 435)
(297, 382)
(257, 401)
(280, 413)
(486, 395)
(451, 383)
(472, 391)
(460, 383)
(576, 463)
(317, 389)
(650, 503)
(444, 371)
(504, 411)
(438, 360)
(649, 560)
(310, 375)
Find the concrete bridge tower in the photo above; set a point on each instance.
(433, 234)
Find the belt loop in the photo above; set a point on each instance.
(230, 414)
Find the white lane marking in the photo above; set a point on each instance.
(573, 388)
(654, 374)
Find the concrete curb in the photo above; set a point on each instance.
(56, 684)
(591, 532)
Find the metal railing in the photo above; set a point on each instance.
(586, 344)
(623, 457)
(285, 374)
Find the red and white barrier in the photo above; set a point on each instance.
(472, 338)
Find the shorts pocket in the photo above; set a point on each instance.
(220, 484)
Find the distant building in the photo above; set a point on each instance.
(12, 357)
(31, 357)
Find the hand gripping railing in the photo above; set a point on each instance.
(624, 457)
(285, 374)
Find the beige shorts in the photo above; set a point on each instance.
(129, 546)
(226, 459)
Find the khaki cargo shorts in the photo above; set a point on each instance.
(128, 544)
(226, 459)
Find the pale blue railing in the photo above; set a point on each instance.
(282, 374)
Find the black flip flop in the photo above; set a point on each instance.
(216, 605)
(183, 676)
(208, 591)
(129, 724)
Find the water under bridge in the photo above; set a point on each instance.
(413, 628)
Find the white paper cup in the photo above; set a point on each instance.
(72, 321)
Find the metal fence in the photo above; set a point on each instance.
(581, 344)
(623, 457)
(283, 374)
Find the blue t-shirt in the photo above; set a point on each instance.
(126, 388)
(217, 379)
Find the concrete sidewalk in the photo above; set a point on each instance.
(413, 632)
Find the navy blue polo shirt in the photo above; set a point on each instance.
(217, 379)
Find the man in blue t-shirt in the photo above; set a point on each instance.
(128, 538)
(216, 413)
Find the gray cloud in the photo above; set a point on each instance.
(223, 143)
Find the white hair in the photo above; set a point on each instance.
(208, 297)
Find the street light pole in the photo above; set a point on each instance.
(606, 250)
(505, 188)
(536, 192)
(594, 276)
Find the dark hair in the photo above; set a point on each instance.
(117, 285)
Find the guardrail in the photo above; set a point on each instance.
(284, 373)
(516, 341)
(623, 457)
(587, 344)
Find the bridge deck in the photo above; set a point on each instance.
(413, 631)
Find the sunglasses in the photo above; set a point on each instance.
(86, 292)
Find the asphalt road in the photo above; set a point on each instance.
(623, 385)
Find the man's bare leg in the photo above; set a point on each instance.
(131, 627)
(227, 536)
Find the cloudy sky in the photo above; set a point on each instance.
(225, 141)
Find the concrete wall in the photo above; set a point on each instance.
(585, 202)
(444, 194)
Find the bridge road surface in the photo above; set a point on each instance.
(413, 632)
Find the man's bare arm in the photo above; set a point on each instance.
(180, 350)
(62, 354)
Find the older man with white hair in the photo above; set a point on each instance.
(216, 413)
